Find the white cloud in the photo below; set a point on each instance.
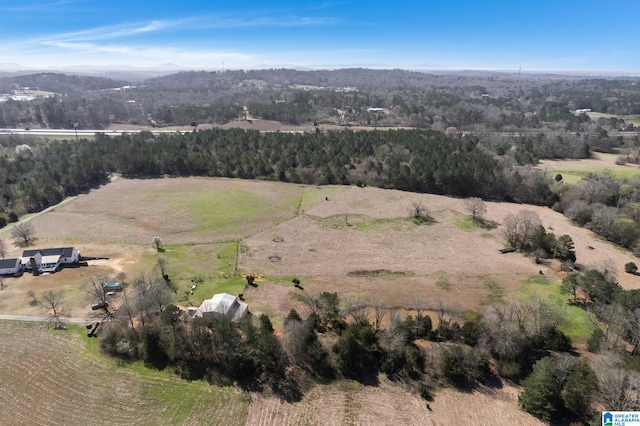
(38, 7)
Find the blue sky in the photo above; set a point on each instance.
(586, 35)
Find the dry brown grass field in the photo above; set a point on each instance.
(357, 242)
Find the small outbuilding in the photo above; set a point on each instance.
(223, 305)
(10, 266)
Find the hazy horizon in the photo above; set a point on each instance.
(546, 36)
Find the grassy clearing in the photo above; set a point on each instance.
(467, 223)
(577, 322)
(365, 223)
(220, 211)
(573, 176)
(210, 266)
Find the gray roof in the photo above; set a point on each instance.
(9, 263)
(56, 251)
(225, 305)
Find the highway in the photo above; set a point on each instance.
(82, 132)
(91, 132)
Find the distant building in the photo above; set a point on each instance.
(222, 305)
(375, 109)
(583, 111)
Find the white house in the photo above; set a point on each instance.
(222, 305)
(29, 261)
(10, 266)
(50, 259)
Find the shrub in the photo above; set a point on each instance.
(595, 341)
(540, 394)
(630, 268)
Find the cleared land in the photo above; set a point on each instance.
(354, 241)
(574, 170)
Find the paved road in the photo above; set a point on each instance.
(34, 318)
(83, 133)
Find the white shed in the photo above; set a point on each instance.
(224, 305)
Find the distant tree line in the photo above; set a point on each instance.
(534, 112)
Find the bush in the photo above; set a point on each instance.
(540, 394)
(462, 365)
(630, 268)
(357, 351)
(510, 370)
(595, 341)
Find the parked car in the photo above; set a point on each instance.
(100, 305)
(112, 287)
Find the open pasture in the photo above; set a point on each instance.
(574, 170)
(349, 240)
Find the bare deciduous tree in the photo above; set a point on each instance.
(618, 386)
(380, 309)
(52, 301)
(356, 307)
(475, 206)
(3, 249)
(417, 209)
(23, 233)
(520, 228)
(32, 295)
(97, 292)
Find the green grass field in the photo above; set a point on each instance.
(577, 322)
(211, 266)
(573, 176)
(466, 223)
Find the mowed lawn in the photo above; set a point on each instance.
(52, 377)
(574, 170)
